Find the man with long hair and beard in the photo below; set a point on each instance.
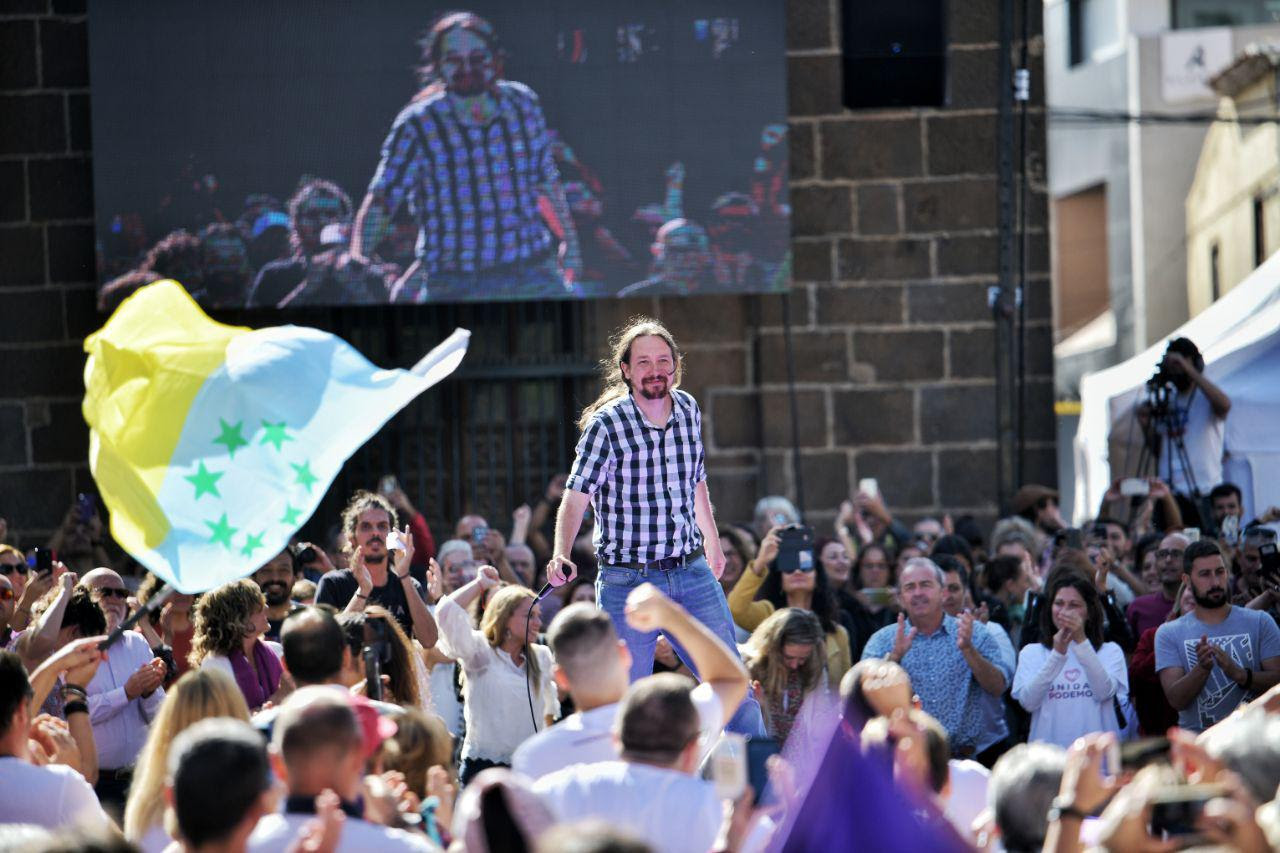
(1212, 659)
(641, 465)
(470, 158)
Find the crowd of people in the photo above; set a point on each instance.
(1036, 687)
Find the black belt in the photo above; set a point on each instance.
(667, 564)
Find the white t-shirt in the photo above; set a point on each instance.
(1070, 695)
(276, 833)
(54, 796)
(587, 737)
(1202, 435)
(582, 738)
(670, 810)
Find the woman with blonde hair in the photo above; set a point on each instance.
(229, 623)
(198, 695)
(503, 670)
(786, 661)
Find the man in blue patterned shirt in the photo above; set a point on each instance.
(951, 659)
(470, 159)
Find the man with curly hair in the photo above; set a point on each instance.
(376, 573)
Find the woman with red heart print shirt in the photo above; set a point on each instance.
(1070, 679)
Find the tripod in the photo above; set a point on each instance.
(1165, 423)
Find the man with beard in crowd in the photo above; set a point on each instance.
(374, 574)
(276, 578)
(1212, 659)
(481, 232)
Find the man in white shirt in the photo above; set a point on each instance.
(54, 796)
(593, 666)
(124, 695)
(317, 744)
(653, 790)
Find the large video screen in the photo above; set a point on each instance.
(328, 152)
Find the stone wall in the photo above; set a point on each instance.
(895, 247)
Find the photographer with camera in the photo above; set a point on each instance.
(1182, 418)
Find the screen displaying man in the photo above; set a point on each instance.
(469, 159)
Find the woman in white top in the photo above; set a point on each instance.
(499, 671)
(1070, 680)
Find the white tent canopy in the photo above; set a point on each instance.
(1239, 336)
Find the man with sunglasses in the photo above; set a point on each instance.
(124, 695)
(1151, 610)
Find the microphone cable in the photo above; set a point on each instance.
(528, 673)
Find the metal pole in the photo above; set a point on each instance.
(795, 405)
(1003, 295)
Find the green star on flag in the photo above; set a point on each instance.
(291, 516)
(251, 543)
(305, 477)
(197, 492)
(231, 437)
(222, 531)
(275, 434)
(205, 481)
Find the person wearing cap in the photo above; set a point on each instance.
(322, 740)
(1039, 505)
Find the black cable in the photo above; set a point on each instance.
(528, 673)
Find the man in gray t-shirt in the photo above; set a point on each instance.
(1211, 659)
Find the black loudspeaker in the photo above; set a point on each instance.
(895, 53)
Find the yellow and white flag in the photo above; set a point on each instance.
(212, 444)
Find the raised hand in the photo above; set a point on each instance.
(1232, 669)
(488, 577)
(964, 631)
(1061, 640)
(322, 833)
(404, 556)
(56, 745)
(1204, 653)
(647, 607)
(145, 679)
(435, 586)
(768, 551)
(902, 639)
(364, 580)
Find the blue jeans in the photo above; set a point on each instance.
(694, 588)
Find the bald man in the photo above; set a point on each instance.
(124, 695)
